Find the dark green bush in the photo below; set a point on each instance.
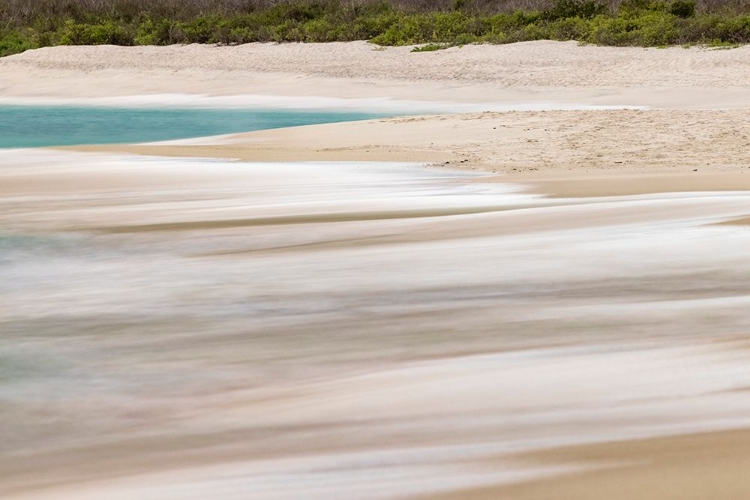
(14, 42)
(322, 30)
(431, 47)
(155, 32)
(203, 29)
(682, 8)
(568, 29)
(369, 27)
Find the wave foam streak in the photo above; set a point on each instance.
(193, 328)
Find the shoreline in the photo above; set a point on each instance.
(559, 153)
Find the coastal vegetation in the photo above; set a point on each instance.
(439, 24)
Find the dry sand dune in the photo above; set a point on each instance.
(557, 308)
(543, 72)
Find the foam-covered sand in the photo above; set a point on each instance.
(178, 329)
(214, 326)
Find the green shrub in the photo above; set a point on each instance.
(153, 32)
(502, 27)
(433, 27)
(369, 27)
(14, 42)
(650, 29)
(203, 29)
(242, 35)
(322, 30)
(103, 33)
(728, 31)
(385, 22)
(568, 29)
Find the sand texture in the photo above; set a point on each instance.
(530, 305)
(532, 72)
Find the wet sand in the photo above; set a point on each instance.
(161, 342)
(685, 467)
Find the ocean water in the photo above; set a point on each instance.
(39, 126)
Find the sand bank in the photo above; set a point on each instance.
(561, 153)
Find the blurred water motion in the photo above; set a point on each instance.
(192, 329)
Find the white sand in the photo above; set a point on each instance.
(533, 72)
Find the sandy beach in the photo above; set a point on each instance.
(537, 291)
(522, 73)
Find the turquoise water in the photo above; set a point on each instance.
(37, 126)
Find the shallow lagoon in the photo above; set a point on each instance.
(40, 126)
